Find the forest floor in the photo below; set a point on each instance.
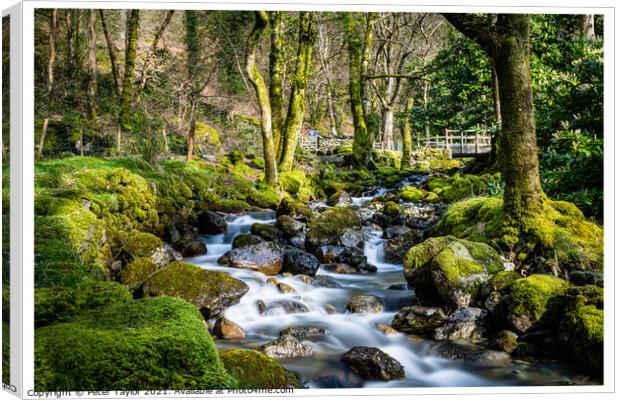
(339, 277)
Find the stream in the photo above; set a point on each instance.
(423, 367)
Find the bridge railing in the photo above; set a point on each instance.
(459, 142)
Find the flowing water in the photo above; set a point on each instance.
(346, 330)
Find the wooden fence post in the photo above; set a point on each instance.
(462, 142)
(446, 134)
(476, 145)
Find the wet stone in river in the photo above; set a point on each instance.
(364, 303)
(372, 363)
(286, 346)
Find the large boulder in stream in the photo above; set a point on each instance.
(265, 257)
(527, 300)
(298, 262)
(463, 323)
(267, 232)
(210, 291)
(450, 271)
(211, 223)
(418, 320)
(364, 303)
(286, 346)
(294, 209)
(373, 364)
(329, 226)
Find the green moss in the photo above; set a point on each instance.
(141, 244)
(332, 223)
(206, 133)
(63, 304)
(391, 209)
(195, 285)
(146, 344)
(255, 370)
(137, 272)
(456, 270)
(504, 279)
(560, 233)
(294, 208)
(265, 199)
(412, 194)
(529, 296)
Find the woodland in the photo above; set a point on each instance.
(294, 199)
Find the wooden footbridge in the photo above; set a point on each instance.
(459, 143)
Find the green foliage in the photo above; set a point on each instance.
(147, 344)
(572, 169)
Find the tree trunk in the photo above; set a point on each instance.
(276, 76)
(92, 68)
(296, 105)
(371, 18)
(42, 139)
(507, 42)
(587, 27)
(191, 133)
(405, 160)
(518, 148)
(69, 21)
(496, 100)
(148, 60)
(362, 141)
(111, 52)
(130, 65)
(52, 59)
(260, 27)
(427, 127)
(193, 53)
(388, 128)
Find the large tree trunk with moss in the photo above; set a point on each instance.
(296, 105)
(260, 27)
(191, 64)
(362, 140)
(405, 160)
(128, 80)
(111, 52)
(506, 39)
(92, 68)
(276, 76)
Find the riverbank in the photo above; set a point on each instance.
(119, 237)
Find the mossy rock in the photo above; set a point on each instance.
(207, 134)
(141, 244)
(146, 344)
(255, 370)
(134, 274)
(585, 329)
(503, 280)
(264, 199)
(210, 291)
(63, 303)
(560, 234)
(450, 270)
(391, 209)
(411, 194)
(294, 209)
(327, 228)
(527, 298)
